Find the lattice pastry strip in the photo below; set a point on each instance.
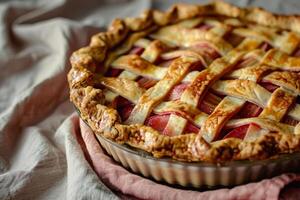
(278, 104)
(264, 123)
(288, 80)
(287, 42)
(179, 36)
(278, 59)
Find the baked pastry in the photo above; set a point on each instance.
(195, 83)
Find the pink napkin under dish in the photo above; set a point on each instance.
(126, 183)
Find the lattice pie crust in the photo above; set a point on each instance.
(221, 82)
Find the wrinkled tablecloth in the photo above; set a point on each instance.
(46, 152)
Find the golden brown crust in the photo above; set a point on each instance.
(189, 147)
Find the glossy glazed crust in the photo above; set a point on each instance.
(189, 147)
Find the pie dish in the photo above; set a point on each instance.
(197, 83)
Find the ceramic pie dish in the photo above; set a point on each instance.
(199, 175)
(209, 91)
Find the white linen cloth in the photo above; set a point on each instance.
(40, 157)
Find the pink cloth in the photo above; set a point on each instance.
(124, 182)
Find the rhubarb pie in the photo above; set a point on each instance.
(207, 83)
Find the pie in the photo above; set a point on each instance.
(209, 83)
